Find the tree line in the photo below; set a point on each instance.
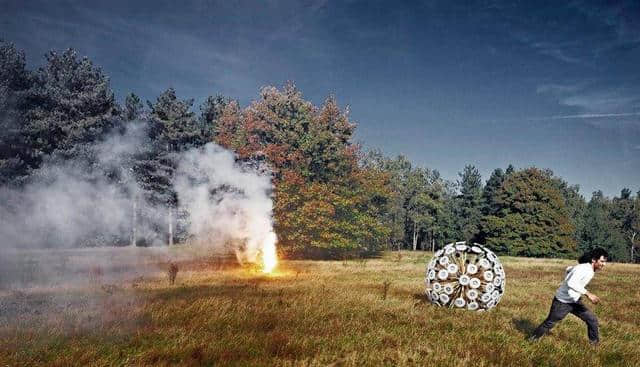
(331, 198)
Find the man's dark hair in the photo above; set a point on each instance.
(594, 254)
(599, 252)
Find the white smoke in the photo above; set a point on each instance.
(222, 205)
(70, 202)
(226, 203)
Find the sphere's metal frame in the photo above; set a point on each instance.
(465, 276)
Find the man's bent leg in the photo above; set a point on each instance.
(557, 312)
(590, 319)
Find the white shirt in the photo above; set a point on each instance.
(573, 286)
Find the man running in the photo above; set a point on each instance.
(567, 298)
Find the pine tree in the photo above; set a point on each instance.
(15, 80)
(70, 104)
(133, 108)
(211, 111)
(469, 203)
(493, 185)
(173, 128)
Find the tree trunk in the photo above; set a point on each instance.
(170, 227)
(415, 235)
(134, 222)
(633, 247)
(433, 242)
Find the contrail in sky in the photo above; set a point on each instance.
(588, 116)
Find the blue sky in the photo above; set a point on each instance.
(532, 83)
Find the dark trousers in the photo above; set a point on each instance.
(558, 312)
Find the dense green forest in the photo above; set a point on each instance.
(331, 198)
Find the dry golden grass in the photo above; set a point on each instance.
(314, 313)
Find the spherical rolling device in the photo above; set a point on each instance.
(465, 276)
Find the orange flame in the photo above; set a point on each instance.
(269, 256)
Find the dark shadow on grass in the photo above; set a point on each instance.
(525, 326)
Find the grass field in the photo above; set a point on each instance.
(313, 313)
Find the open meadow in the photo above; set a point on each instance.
(310, 313)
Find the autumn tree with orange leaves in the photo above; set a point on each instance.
(325, 203)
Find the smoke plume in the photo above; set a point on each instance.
(95, 200)
(226, 203)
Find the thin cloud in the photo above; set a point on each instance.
(590, 33)
(597, 119)
(558, 52)
(592, 115)
(557, 89)
(594, 100)
(601, 102)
